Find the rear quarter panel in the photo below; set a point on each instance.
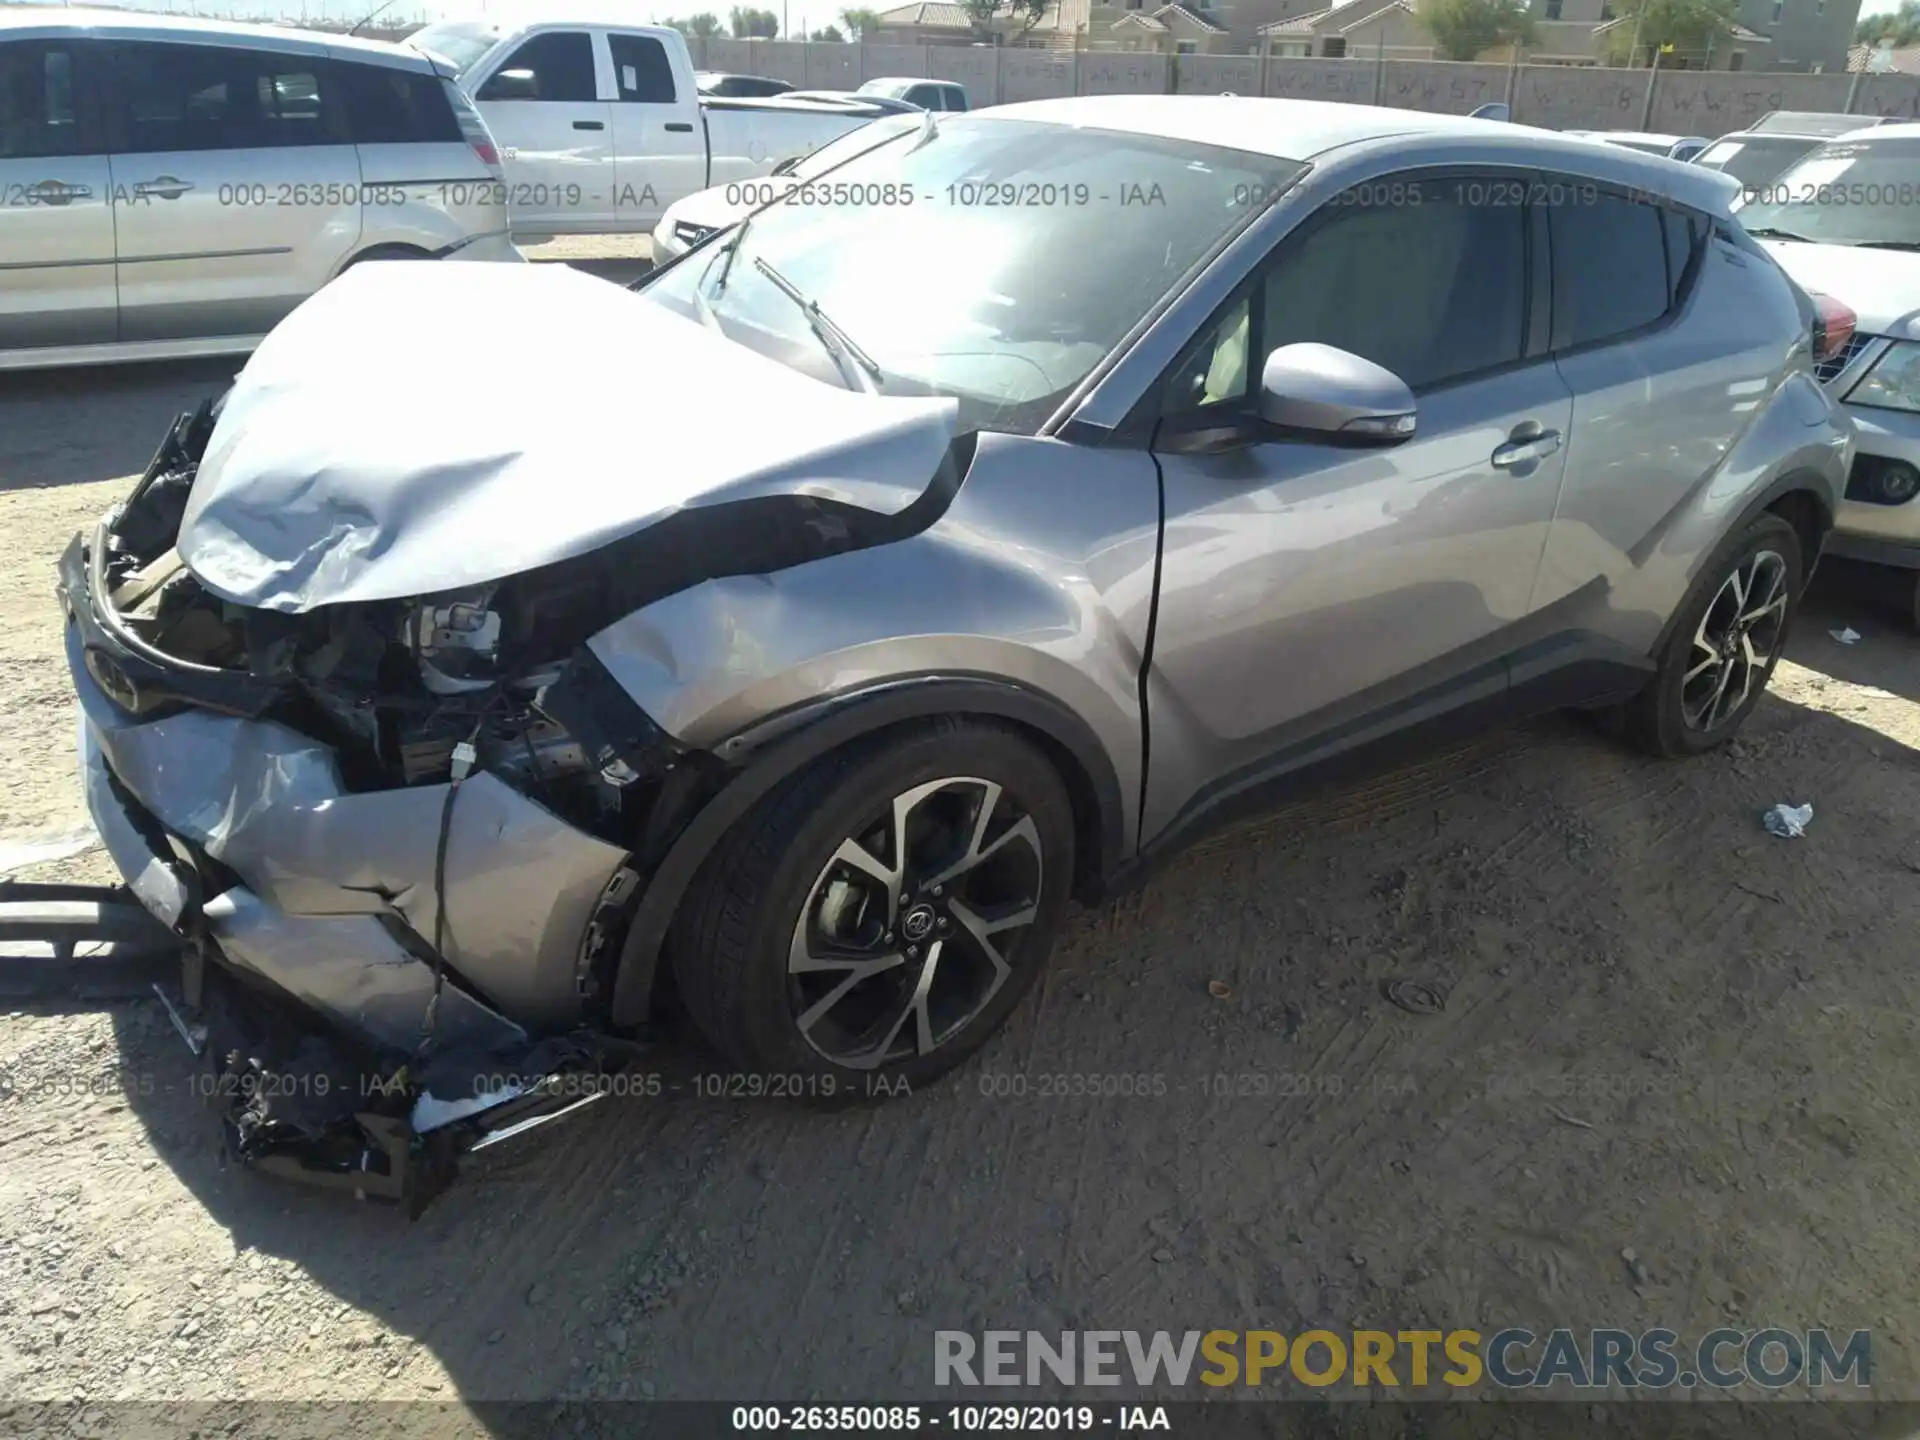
(428, 195)
(1676, 434)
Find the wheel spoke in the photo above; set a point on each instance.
(1700, 669)
(914, 1005)
(856, 856)
(857, 971)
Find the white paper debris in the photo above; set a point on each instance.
(430, 1112)
(1846, 636)
(1788, 821)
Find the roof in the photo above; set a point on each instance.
(933, 13)
(1872, 60)
(1138, 18)
(1373, 15)
(1737, 32)
(64, 20)
(1181, 12)
(1297, 25)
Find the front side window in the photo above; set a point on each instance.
(168, 97)
(561, 63)
(1610, 266)
(39, 114)
(1849, 192)
(641, 70)
(1007, 215)
(1430, 283)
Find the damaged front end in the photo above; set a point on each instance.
(396, 840)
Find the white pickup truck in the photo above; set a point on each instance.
(601, 127)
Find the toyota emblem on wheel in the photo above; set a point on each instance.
(917, 923)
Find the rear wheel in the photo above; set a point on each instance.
(876, 918)
(1724, 644)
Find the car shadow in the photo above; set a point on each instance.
(75, 426)
(1211, 1106)
(1876, 603)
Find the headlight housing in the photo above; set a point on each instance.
(1894, 381)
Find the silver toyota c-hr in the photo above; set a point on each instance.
(798, 632)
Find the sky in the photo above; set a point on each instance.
(643, 12)
(350, 10)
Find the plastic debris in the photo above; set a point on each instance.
(1788, 821)
(1846, 635)
(18, 854)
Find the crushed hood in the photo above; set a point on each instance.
(1882, 287)
(417, 428)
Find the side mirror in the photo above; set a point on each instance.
(1492, 111)
(512, 85)
(1327, 391)
(788, 165)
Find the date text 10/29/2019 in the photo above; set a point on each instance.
(958, 1419)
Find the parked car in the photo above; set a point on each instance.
(1812, 122)
(175, 187)
(739, 87)
(1755, 158)
(920, 93)
(602, 127)
(693, 219)
(1844, 221)
(884, 104)
(1674, 147)
(1494, 110)
(459, 729)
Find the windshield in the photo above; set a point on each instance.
(854, 142)
(995, 261)
(462, 43)
(1755, 159)
(1847, 192)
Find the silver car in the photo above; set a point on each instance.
(1058, 481)
(172, 187)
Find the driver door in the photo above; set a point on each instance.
(1314, 595)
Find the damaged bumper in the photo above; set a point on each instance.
(346, 1050)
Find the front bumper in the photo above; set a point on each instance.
(346, 1051)
(1862, 529)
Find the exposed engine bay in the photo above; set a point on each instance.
(405, 692)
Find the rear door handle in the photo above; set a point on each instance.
(589, 124)
(57, 192)
(680, 127)
(164, 187)
(1519, 452)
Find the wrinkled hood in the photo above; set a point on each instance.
(1882, 287)
(417, 428)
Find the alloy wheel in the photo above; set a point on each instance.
(913, 926)
(1735, 641)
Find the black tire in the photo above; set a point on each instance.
(1913, 601)
(1660, 719)
(776, 871)
(386, 252)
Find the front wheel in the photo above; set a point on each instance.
(871, 922)
(1724, 644)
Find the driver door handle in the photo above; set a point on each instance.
(1527, 443)
(164, 187)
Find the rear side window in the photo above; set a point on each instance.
(561, 64)
(386, 106)
(166, 97)
(39, 102)
(925, 96)
(641, 70)
(1610, 267)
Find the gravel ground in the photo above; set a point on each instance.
(1673, 1083)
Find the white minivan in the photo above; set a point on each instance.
(174, 187)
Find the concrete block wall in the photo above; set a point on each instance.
(1686, 102)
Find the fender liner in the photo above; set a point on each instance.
(779, 747)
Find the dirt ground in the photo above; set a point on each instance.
(1673, 1083)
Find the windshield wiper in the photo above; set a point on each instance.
(1770, 232)
(848, 356)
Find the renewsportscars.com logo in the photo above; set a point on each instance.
(1512, 1358)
